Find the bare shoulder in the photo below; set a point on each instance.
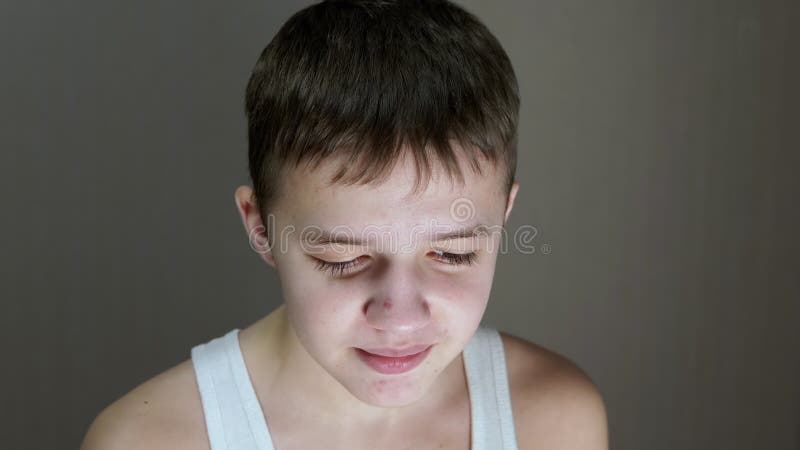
(555, 403)
(164, 412)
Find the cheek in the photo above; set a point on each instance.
(317, 308)
(461, 300)
(325, 308)
(471, 285)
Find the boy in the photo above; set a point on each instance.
(382, 149)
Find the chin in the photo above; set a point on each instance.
(391, 391)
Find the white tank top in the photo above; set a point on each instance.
(235, 421)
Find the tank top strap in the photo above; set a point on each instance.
(490, 400)
(233, 415)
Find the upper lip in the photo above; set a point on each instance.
(396, 353)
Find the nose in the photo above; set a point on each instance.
(398, 307)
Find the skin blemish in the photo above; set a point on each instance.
(387, 305)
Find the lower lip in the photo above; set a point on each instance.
(392, 366)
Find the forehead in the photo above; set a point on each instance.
(309, 197)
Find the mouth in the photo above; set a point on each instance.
(398, 361)
(396, 353)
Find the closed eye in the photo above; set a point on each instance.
(342, 268)
(456, 258)
(338, 269)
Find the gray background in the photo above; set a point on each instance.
(658, 141)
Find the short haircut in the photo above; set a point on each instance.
(366, 79)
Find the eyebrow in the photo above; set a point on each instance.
(326, 238)
(473, 231)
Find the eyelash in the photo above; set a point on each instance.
(334, 267)
(458, 258)
(337, 269)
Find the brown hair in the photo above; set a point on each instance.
(366, 78)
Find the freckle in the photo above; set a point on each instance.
(145, 402)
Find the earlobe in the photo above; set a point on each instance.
(510, 203)
(253, 225)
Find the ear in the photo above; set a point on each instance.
(511, 196)
(253, 225)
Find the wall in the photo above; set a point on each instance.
(657, 149)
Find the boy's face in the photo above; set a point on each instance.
(401, 285)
